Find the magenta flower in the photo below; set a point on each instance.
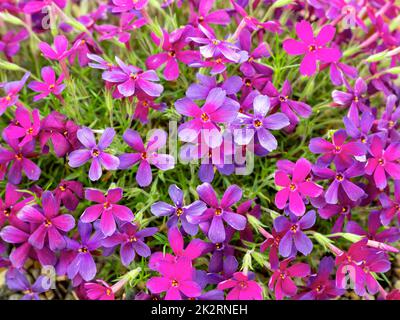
(281, 280)
(49, 223)
(11, 205)
(313, 48)
(131, 240)
(288, 106)
(18, 160)
(319, 286)
(146, 155)
(244, 288)
(128, 5)
(94, 151)
(272, 241)
(296, 188)
(383, 161)
(69, 193)
(99, 291)
(293, 234)
(82, 265)
(82, 47)
(340, 152)
(11, 89)
(172, 45)
(179, 212)
(130, 79)
(341, 182)
(258, 123)
(10, 42)
(50, 85)
(204, 17)
(216, 109)
(37, 5)
(61, 132)
(219, 212)
(144, 104)
(107, 208)
(25, 127)
(60, 51)
(390, 208)
(176, 279)
(213, 48)
(390, 120)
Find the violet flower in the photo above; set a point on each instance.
(296, 188)
(244, 288)
(340, 152)
(281, 280)
(17, 281)
(390, 208)
(258, 124)
(51, 85)
(37, 5)
(107, 208)
(69, 193)
(146, 155)
(390, 119)
(179, 212)
(25, 127)
(383, 161)
(204, 17)
(50, 223)
(220, 211)
(176, 279)
(82, 264)
(130, 79)
(361, 131)
(313, 48)
(11, 90)
(131, 240)
(10, 42)
(293, 233)
(94, 151)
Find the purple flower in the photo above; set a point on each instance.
(341, 182)
(293, 233)
(390, 119)
(145, 155)
(37, 5)
(82, 47)
(360, 131)
(107, 208)
(17, 281)
(296, 188)
(204, 17)
(172, 46)
(128, 5)
(69, 193)
(281, 280)
(216, 109)
(49, 223)
(319, 286)
(218, 212)
(213, 48)
(60, 51)
(143, 106)
(258, 124)
(339, 70)
(10, 42)
(272, 241)
(288, 106)
(243, 287)
(99, 291)
(25, 127)
(390, 208)
(51, 85)
(340, 152)
(131, 240)
(383, 161)
(176, 280)
(94, 151)
(179, 212)
(130, 78)
(11, 205)
(313, 48)
(61, 132)
(18, 160)
(11, 89)
(82, 264)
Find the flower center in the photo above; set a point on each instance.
(243, 284)
(83, 250)
(247, 83)
(282, 276)
(356, 99)
(339, 177)
(19, 156)
(318, 288)
(204, 117)
(344, 209)
(174, 283)
(292, 187)
(172, 53)
(145, 103)
(7, 212)
(29, 131)
(179, 212)
(132, 239)
(65, 133)
(133, 76)
(363, 139)
(219, 60)
(218, 245)
(293, 228)
(257, 123)
(95, 153)
(312, 48)
(218, 211)
(8, 98)
(63, 187)
(381, 161)
(108, 292)
(282, 98)
(215, 42)
(106, 205)
(47, 223)
(391, 124)
(200, 19)
(338, 149)
(144, 155)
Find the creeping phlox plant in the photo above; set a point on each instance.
(199, 149)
